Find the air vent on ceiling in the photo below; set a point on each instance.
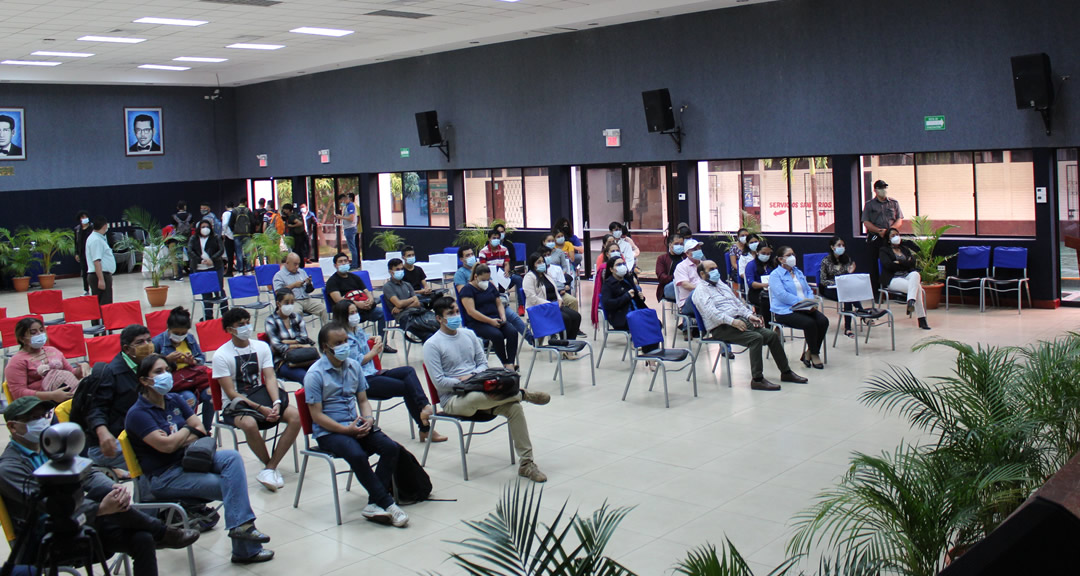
(259, 3)
(392, 14)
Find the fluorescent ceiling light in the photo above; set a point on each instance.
(116, 39)
(199, 59)
(30, 63)
(62, 54)
(163, 67)
(246, 46)
(321, 31)
(170, 21)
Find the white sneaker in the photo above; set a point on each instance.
(280, 481)
(268, 479)
(376, 513)
(398, 517)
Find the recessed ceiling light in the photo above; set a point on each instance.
(163, 67)
(170, 21)
(321, 31)
(30, 63)
(62, 54)
(116, 39)
(199, 59)
(246, 46)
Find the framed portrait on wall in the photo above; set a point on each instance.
(12, 134)
(144, 132)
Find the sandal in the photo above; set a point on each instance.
(849, 333)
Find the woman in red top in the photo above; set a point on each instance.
(37, 369)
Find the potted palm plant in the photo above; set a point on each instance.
(268, 247)
(16, 257)
(159, 252)
(388, 240)
(472, 237)
(48, 244)
(925, 240)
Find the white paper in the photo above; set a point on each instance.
(498, 276)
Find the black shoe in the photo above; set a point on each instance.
(178, 538)
(805, 359)
(923, 324)
(389, 349)
(250, 534)
(910, 307)
(263, 555)
(790, 376)
(764, 385)
(581, 334)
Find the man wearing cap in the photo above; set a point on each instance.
(878, 215)
(686, 276)
(107, 506)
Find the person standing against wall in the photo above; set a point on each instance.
(879, 214)
(227, 237)
(242, 225)
(100, 263)
(348, 219)
(82, 232)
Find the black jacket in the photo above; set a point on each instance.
(617, 302)
(892, 266)
(116, 393)
(214, 248)
(80, 242)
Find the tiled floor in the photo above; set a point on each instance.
(730, 462)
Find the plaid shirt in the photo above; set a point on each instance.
(291, 328)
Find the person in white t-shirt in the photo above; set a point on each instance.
(244, 367)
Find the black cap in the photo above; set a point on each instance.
(880, 184)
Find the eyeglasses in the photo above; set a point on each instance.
(144, 130)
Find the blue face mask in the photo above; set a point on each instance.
(560, 240)
(470, 261)
(620, 270)
(163, 383)
(764, 257)
(839, 250)
(453, 322)
(697, 255)
(341, 351)
(678, 248)
(495, 242)
(714, 275)
(410, 260)
(541, 268)
(547, 259)
(399, 274)
(502, 235)
(343, 269)
(550, 245)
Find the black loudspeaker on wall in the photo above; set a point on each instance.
(1032, 81)
(658, 112)
(427, 126)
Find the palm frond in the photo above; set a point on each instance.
(706, 561)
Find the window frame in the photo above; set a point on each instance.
(427, 175)
(545, 171)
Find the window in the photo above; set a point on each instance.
(987, 193)
(518, 196)
(413, 199)
(781, 194)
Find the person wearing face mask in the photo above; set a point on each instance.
(605, 242)
(837, 263)
(160, 426)
(687, 278)
(757, 272)
(82, 232)
(206, 214)
(38, 369)
(452, 356)
(191, 375)
(415, 275)
(788, 295)
(244, 368)
(468, 260)
(900, 273)
(106, 506)
(573, 245)
(485, 315)
(621, 295)
(540, 289)
(557, 257)
(345, 285)
(627, 247)
(206, 252)
(343, 424)
(292, 276)
(399, 293)
(611, 250)
(665, 268)
(753, 244)
(728, 318)
(285, 328)
(494, 254)
(117, 390)
(737, 250)
(383, 384)
(557, 276)
(100, 263)
(878, 215)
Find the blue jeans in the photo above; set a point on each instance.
(241, 262)
(291, 373)
(226, 482)
(350, 239)
(355, 451)
(375, 315)
(400, 383)
(504, 340)
(99, 458)
(514, 320)
(669, 291)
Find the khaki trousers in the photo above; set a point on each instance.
(474, 402)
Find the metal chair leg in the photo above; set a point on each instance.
(468, 443)
(300, 483)
(333, 482)
(633, 368)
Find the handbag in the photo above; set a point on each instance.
(199, 455)
(301, 357)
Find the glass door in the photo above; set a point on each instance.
(636, 196)
(1069, 225)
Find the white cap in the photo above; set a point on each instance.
(690, 244)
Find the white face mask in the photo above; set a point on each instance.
(620, 270)
(354, 320)
(483, 284)
(243, 332)
(287, 309)
(790, 261)
(35, 428)
(38, 340)
(177, 338)
(204, 231)
(895, 240)
(742, 239)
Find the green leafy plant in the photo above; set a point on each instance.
(472, 237)
(752, 225)
(388, 240)
(706, 561)
(1049, 381)
(268, 246)
(925, 238)
(48, 244)
(512, 541)
(16, 253)
(159, 253)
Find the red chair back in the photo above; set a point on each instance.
(432, 391)
(68, 339)
(45, 302)
(102, 348)
(211, 334)
(81, 309)
(303, 410)
(263, 337)
(3, 312)
(158, 322)
(375, 360)
(7, 329)
(215, 394)
(121, 315)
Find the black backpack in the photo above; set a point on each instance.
(85, 392)
(418, 323)
(183, 226)
(241, 221)
(411, 482)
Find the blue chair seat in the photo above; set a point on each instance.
(646, 331)
(666, 354)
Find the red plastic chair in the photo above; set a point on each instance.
(3, 313)
(121, 315)
(7, 329)
(211, 335)
(46, 302)
(310, 450)
(83, 309)
(102, 349)
(68, 339)
(158, 322)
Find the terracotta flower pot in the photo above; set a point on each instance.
(933, 295)
(157, 296)
(47, 281)
(21, 283)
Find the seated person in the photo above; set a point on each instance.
(611, 250)
(293, 276)
(736, 251)
(344, 284)
(393, 383)
(620, 295)
(627, 246)
(787, 287)
(486, 316)
(557, 257)
(728, 318)
(244, 368)
(753, 244)
(665, 268)
(38, 369)
(606, 241)
(342, 423)
(159, 441)
(399, 294)
(558, 278)
(285, 328)
(760, 267)
(687, 279)
(464, 275)
(417, 278)
(115, 394)
(453, 355)
(900, 273)
(539, 289)
(837, 263)
(107, 506)
(191, 376)
(571, 244)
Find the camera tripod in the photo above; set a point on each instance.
(67, 542)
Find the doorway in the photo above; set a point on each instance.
(637, 196)
(323, 194)
(1069, 225)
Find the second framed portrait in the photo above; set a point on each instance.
(12, 134)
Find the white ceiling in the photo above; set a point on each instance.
(54, 25)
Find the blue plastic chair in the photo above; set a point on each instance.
(812, 267)
(1010, 258)
(704, 338)
(392, 324)
(607, 330)
(264, 275)
(450, 250)
(970, 258)
(246, 287)
(366, 277)
(546, 320)
(202, 285)
(519, 253)
(316, 275)
(645, 330)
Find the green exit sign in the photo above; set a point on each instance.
(404, 152)
(934, 122)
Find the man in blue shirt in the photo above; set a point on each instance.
(342, 423)
(348, 219)
(467, 258)
(100, 263)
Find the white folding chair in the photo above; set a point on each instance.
(857, 288)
